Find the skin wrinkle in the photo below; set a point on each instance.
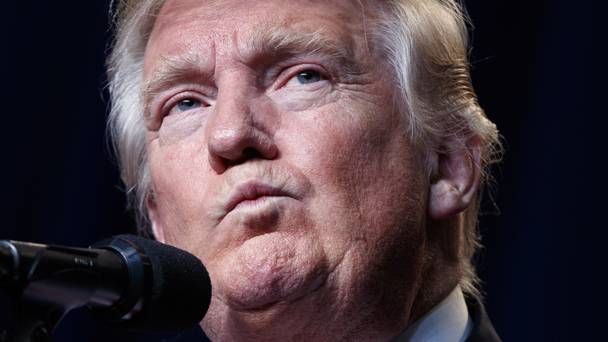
(174, 69)
(330, 275)
(278, 42)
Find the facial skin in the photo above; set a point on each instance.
(283, 164)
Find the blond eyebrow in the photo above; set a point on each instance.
(171, 70)
(283, 41)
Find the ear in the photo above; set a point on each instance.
(155, 222)
(455, 179)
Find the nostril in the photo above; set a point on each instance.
(250, 153)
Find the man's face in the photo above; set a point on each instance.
(279, 157)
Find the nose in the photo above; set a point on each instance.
(238, 131)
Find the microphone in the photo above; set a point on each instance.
(140, 283)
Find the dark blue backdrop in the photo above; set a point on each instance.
(532, 68)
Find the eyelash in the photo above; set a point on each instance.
(175, 100)
(291, 74)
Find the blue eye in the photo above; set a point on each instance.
(188, 104)
(309, 76)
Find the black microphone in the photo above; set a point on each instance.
(140, 283)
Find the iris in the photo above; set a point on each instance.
(188, 104)
(308, 76)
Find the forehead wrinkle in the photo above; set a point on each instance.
(279, 41)
(267, 39)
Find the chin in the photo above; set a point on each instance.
(244, 311)
(270, 269)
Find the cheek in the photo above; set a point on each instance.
(364, 172)
(341, 149)
(179, 127)
(178, 184)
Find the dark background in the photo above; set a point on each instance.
(532, 69)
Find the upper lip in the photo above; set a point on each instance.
(252, 190)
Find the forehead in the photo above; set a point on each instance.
(244, 11)
(223, 26)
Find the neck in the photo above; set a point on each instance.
(441, 268)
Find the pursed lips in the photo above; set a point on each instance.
(252, 191)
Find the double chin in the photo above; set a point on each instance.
(270, 269)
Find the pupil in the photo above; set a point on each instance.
(309, 77)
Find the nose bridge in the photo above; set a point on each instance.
(236, 131)
(233, 103)
(232, 118)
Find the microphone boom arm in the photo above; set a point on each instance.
(138, 283)
(45, 282)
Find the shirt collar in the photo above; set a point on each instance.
(447, 321)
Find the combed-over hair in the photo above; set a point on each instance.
(425, 43)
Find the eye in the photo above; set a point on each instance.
(188, 104)
(306, 77)
(184, 104)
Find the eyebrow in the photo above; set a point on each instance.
(277, 42)
(172, 69)
(281, 41)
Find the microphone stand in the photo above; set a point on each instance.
(34, 322)
(114, 278)
(43, 292)
(34, 319)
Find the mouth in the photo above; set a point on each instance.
(252, 193)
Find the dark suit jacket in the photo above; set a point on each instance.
(483, 330)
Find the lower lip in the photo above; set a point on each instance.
(261, 213)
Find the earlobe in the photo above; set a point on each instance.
(456, 179)
(157, 228)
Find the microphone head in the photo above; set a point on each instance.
(178, 292)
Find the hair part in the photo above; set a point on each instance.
(425, 43)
